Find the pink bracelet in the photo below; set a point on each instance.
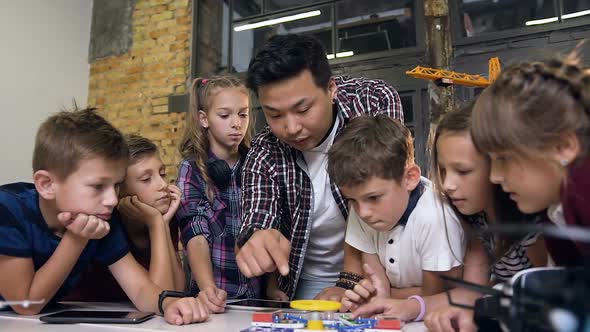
(422, 307)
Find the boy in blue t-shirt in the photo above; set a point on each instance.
(51, 229)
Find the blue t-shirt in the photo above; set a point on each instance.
(24, 233)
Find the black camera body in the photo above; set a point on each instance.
(539, 299)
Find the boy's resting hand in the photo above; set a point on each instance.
(133, 209)
(213, 298)
(85, 226)
(266, 251)
(174, 192)
(185, 311)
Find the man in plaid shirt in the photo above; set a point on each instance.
(294, 217)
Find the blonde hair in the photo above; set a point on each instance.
(195, 142)
(532, 104)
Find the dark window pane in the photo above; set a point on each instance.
(247, 38)
(482, 16)
(272, 5)
(408, 106)
(375, 25)
(575, 10)
(245, 8)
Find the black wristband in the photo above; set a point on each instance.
(245, 235)
(167, 293)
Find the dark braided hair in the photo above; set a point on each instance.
(532, 104)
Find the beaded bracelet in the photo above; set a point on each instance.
(346, 284)
(354, 277)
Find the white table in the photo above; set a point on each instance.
(232, 320)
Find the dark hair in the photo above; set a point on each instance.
(370, 146)
(285, 56)
(140, 147)
(67, 137)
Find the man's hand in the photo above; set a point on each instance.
(330, 294)
(450, 319)
(266, 251)
(133, 209)
(83, 225)
(174, 193)
(274, 293)
(185, 311)
(213, 298)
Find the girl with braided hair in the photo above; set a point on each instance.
(534, 124)
(216, 139)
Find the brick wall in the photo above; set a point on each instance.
(132, 90)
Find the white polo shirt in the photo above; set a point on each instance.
(422, 244)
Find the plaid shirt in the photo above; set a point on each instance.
(219, 223)
(277, 193)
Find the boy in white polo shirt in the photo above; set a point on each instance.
(407, 235)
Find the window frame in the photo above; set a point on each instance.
(460, 40)
(418, 21)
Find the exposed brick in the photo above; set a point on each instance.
(158, 33)
(134, 104)
(160, 101)
(166, 40)
(179, 89)
(166, 24)
(183, 20)
(132, 89)
(151, 10)
(160, 109)
(148, 43)
(158, 2)
(178, 46)
(162, 16)
(141, 21)
(141, 5)
(134, 70)
(181, 37)
(179, 28)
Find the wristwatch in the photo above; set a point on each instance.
(165, 294)
(245, 235)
